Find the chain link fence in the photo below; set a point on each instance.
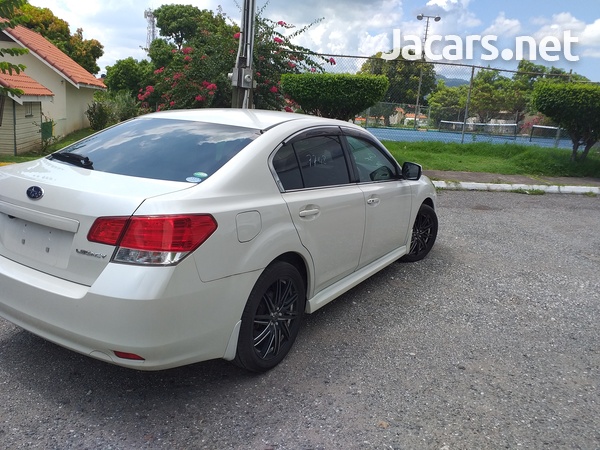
(473, 104)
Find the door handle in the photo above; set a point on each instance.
(309, 212)
(373, 201)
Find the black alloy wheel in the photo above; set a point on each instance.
(424, 233)
(272, 317)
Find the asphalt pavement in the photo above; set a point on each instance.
(490, 342)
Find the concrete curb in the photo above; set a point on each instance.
(469, 186)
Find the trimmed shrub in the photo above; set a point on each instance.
(338, 96)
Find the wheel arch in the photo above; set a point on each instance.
(429, 202)
(299, 263)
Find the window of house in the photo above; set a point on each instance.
(28, 109)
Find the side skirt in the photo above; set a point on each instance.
(335, 290)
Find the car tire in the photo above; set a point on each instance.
(424, 233)
(272, 317)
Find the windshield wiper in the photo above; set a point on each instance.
(74, 158)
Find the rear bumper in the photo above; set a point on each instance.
(157, 313)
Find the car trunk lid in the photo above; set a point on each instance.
(48, 207)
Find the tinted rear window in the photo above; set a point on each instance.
(164, 149)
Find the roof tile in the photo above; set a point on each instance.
(27, 84)
(53, 56)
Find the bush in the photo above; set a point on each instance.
(99, 115)
(338, 96)
(123, 106)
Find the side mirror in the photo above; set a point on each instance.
(411, 171)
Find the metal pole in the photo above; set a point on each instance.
(462, 137)
(418, 95)
(420, 17)
(242, 77)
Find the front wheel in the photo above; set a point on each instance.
(424, 233)
(271, 318)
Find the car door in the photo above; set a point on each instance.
(327, 210)
(387, 197)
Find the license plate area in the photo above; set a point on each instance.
(43, 244)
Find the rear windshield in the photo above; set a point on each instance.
(164, 149)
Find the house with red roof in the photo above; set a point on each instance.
(56, 92)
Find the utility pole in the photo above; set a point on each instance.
(420, 17)
(242, 81)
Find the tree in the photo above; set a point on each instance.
(44, 22)
(487, 95)
(84, 52)
(403, 79)
(447, 103)
(525, 78)
(274, 55)
(128, 75)
(201, 51)
(181, 23)
(575, 107)
(7, 11)
(338, 96)
(191, 65)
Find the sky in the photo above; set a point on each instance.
(359, 28)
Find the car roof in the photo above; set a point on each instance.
(247, 118)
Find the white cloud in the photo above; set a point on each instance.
(351, 27)
(591, 34)
(558, 25)
(371, 44)
(503, 26)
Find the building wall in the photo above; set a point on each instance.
(25, 136)
(7, 128)
(67, 107)
(77, 105)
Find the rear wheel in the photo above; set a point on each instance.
(271, 318)
(424, 233)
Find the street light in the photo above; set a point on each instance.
(421, 17)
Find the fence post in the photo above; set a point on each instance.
(462, 137)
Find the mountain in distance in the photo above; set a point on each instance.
(452, 82)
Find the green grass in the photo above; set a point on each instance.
(68, 140)
(507, 159)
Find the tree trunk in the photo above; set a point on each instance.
(575, 142)
(588, 145)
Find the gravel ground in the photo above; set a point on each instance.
(490, 342)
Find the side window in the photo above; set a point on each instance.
(312, 162)
(286, 166)
(371, 162)
(322, 161)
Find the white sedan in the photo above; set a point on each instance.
(184, 236)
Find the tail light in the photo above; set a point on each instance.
(153, 240)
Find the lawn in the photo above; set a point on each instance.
(69, 139)
(508, 159)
